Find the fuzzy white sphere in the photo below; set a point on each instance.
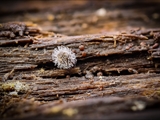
(63, 57)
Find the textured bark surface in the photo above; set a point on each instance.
(117, 74)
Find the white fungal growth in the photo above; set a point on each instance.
(63, 57)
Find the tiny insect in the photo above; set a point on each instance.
(63, 57)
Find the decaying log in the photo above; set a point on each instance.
(139, 52)
(117, 73)
(114, 65)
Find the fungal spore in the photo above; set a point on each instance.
(63, 57)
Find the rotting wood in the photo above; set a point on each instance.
(136, 50)
(35, 68)
(116, 75)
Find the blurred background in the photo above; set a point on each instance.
(75, 17)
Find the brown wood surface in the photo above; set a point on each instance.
(117, 74)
